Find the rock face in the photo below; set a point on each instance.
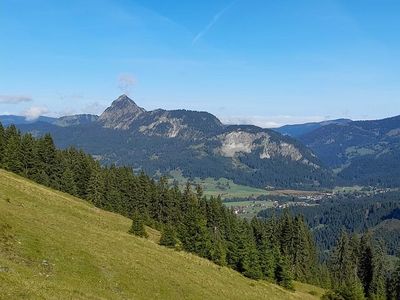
(196, 143)
(121, 113)
(76, 120)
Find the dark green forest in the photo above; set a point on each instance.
(354, 213)
(279, 249)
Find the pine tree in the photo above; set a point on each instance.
(365, 265)
(342, 265)
(193, 232)
(68, 183)
(377, 289)
(249, 261)
(28, 158)
(282, 273)
(168, 236)
(137, 227)
(394, 287)
(13, 152)
(49, 162)
(96, 188)
(2, 144)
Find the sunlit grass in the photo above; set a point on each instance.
(55, 246)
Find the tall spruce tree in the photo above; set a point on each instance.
(137, 227)
(67, 182)
(283, 274)
(13, 152)
(28, 155)
(168, 236)
(2, 143)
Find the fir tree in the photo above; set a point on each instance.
(249, 261)
(394, 284)
(2, 144)
(68, 183)
(137, 227)
(13, 153)
(96, 188)
(282, 273)
(168, 236)
(28, 155)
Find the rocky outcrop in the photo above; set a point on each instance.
(121, 114)
(76, 120)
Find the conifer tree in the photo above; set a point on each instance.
(193, 232)
(282, 273)
(2, 143)
(137, 227)
(49, 162)
(249, 261)
(28, 158)
(96, 189)
(394, 285)
(377, 289)
(342, 266)
(67, 182)
(365, 264)
(13, 153)
(168, 236)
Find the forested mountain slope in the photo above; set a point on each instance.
(196, 143)
(56, 246)
(362, 152)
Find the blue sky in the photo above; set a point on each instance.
(247, 61)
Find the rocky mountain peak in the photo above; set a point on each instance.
(122, 112)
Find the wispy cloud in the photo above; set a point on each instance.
(14, 99)
(213, 21)
(272, 121)
(35, 112)
(126, 82)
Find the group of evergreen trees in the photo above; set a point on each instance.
(277, 249)
(360, 270)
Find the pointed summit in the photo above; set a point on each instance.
(122, 112)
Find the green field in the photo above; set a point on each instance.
(220, 187)
(54, 246)
(249, 209)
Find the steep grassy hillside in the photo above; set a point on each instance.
(55, 246)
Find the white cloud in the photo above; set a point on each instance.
(14, 99)
(270, 122)
(126, 82)
(34, 112)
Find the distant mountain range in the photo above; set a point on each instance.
(360, 152)
(303, 156)
(195, 143)
(298, 130)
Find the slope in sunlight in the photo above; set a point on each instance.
(55, 246)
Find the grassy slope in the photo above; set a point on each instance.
(55, 246)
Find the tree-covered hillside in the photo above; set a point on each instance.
(195, 143)
(360, 152)
(55, 246)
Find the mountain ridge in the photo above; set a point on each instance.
(197, 143)
(361, 152)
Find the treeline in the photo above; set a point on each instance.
(279, 250)
(355, 212)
